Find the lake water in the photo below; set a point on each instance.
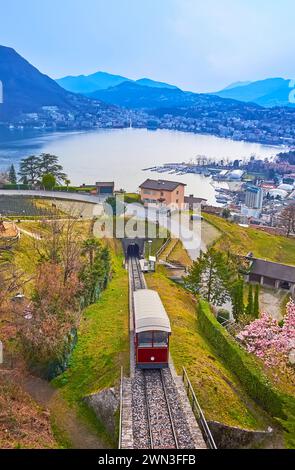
(121, 155)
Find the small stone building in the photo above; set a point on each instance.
(269, 274)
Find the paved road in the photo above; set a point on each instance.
(55, 195)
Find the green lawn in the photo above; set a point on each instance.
(218, 390)
(242, 240)
(103, 344)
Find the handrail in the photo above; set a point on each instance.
(162, 248)
(121, 409)
(196, 408)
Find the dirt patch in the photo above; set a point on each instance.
(271, 302)
(65, 418)
(23, 424)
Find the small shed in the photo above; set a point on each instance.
(269, 274)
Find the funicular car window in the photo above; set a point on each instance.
(145, 339)
(160, 339)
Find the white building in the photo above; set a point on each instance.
(254, 197)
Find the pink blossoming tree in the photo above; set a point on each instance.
(273, 343)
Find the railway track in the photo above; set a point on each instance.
(137, 277)
(158, 419)
(161, 426)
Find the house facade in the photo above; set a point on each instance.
(162, 193)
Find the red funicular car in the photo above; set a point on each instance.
(151, 329)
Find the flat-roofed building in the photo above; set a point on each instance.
(103, 188)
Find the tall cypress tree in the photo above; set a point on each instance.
(256, 302)
(249, 308)
(237, 298)
(12, 175)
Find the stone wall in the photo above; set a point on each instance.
(105, 405)
(229, 437)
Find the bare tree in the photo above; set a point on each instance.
(288, 219)
(61, 243)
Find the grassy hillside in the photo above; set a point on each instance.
(103, 342)
(218, 390)
(241, 240)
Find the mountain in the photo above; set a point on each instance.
(236, 84)
(25, 89)
(32, 98)
(268, 93)
(86, 84)
(152, 83)
(133, 95)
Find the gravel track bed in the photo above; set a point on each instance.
(147, 390)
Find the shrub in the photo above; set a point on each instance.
(241, 363)
(48, 181)
(223, 315)
(16, 186)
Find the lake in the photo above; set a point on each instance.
(121, 155)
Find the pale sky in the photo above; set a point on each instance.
(198, 45)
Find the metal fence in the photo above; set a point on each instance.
(197, 410)
(162, 248)
(121, 409)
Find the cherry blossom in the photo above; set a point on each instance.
(270, 341)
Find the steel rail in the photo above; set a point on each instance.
(169, 410)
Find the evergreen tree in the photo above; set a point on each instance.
(29, 170)
(249, 308)
(48, 164)
(12, 175)
(237, 297)
(256, 308)
(209, 277)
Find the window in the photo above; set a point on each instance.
(177, 192)
(150, 339)
(177, 201)
(160, 339)
(162, 194)
(145, 340)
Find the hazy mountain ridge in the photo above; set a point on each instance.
(136, 96)
(268, 93)
(86, 84)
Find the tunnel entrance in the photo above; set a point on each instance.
(133, 250)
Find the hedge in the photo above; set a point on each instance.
(242, 364)
(16, 186)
